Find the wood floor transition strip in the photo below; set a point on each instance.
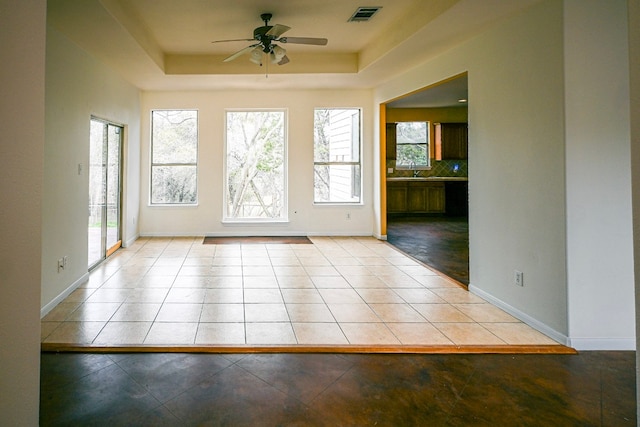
(428, 349)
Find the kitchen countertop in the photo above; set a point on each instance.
(427, 178)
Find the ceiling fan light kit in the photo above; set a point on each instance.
(256, 56)
(265, 38)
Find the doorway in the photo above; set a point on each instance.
(427, 201)
(105, 178)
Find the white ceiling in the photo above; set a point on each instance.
(450, 93)
(166, 44)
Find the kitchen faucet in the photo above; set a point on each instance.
(416, 172)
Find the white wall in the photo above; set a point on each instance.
(599, 250)
(516, 160)
(305, 218)
(634, 89)
(22, 51)
(77, 87)
(561, 217)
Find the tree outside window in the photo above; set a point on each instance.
(337, 167)
(412, 144)
(255, 165)
(174, 156)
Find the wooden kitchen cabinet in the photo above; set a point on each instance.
(415, 197)
(451, 141)
(396, 197)
(436, 198)
(391, 141)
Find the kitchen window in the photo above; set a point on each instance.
(412, 145)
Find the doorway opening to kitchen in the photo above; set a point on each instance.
(427, 176)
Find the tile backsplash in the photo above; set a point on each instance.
(438, 168)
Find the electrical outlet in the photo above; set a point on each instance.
(518, 277)
(348, 215)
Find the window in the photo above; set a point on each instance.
(174, 157)
(412, 145)
(337, 168)
(255, 166)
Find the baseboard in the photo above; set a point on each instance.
(261, 233)
(131, 241)
(173, 235)
(534, 323)
(341, 234)
(226, 234)
(57, 300)
(603, 344)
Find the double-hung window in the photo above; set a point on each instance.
(337, 160)
(174, 157)
(255, 187)
(412, 145)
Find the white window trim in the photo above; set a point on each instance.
(196, 164)
(426, 167)
(226, 220)
(360, 162)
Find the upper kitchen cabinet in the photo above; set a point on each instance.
(391, 141)
(451, 141)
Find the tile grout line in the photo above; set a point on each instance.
(357, 249)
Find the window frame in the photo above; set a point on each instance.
(427, 144)
(153, 164)
(356, 187)
(284, 218)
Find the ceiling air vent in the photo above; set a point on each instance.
(363, 14)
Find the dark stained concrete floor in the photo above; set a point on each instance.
(441, 242)
(174, 389)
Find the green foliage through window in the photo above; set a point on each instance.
(174, 156)
(412, 144)
(255, 154)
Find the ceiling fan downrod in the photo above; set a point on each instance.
(266, 17)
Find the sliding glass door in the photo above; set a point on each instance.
(104, 189)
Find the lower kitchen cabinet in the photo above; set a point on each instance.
(415, 197)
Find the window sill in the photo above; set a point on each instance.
(172, 205)
(334, 204)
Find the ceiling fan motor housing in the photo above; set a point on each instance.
(266, 36)
(260, 35)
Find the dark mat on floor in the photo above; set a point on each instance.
(212, 240)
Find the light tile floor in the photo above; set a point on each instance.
(337, 291)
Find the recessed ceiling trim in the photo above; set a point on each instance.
(364, 13)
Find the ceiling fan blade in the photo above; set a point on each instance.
(240, 53)
(277, 30)
(304, 40)
(284, 60)
(233, 40)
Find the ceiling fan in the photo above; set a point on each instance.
(265, 39)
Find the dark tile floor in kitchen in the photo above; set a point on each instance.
(441, 242)
(171, 389)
